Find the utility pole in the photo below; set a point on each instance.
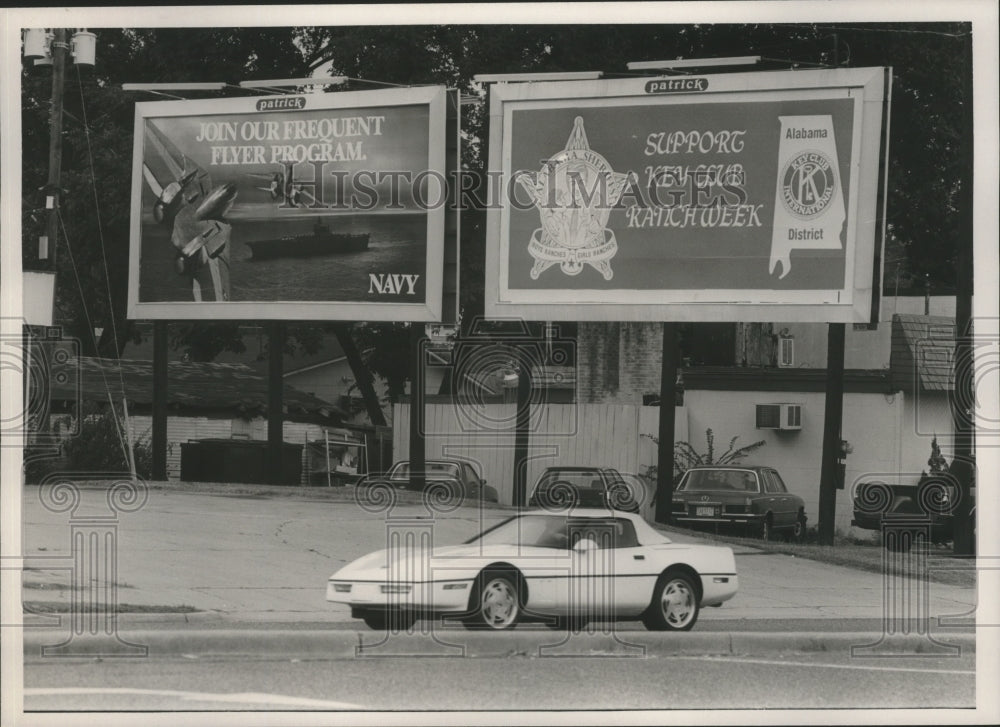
(963, 398)
(52, 189)
(833, 411)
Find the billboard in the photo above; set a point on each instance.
(749, 196)
(305, 207)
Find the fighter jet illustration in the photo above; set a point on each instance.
(195, 211)
(283, 187)
(277, 185)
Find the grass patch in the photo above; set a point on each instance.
(43, 607)
(849, 553)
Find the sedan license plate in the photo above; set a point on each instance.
(704, 512)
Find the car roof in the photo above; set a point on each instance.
(571, 468)
(647, 534)
(749, 467)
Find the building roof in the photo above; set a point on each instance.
(255, 356)
(195, 387)
(923, 348)
(750, 378)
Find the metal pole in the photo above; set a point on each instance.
(326, 439)
(665, 446)
(128, 439)
(275, 402)
(418, 461)
(833, 415)
(160, 385)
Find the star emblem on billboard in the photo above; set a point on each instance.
(574, 193)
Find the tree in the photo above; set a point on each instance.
(926, 173)
(686, 456)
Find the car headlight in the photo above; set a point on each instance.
(342, 587)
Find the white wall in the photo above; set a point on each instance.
(872, 424)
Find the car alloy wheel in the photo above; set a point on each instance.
(675, 604)
(496, 602)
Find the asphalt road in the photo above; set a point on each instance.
(818, 680)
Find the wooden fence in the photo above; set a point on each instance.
(585, 435)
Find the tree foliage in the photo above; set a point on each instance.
(931, 71)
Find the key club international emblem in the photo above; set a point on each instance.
(574, 192)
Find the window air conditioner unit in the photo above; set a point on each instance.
(786, 417)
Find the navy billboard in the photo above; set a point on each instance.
(299, 207)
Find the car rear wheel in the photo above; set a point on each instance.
(799, 529)
(764, 532)
(496, 602)
(675, 603)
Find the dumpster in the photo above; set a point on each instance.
(237, 460)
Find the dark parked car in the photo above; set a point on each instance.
(458, 475)
(891, 508)
(603, 487)
(752, 498)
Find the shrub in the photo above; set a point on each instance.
(97, 448)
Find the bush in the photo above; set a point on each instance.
(97, 448)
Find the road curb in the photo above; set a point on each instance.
(461, 643)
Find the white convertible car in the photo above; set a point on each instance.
(562, 569)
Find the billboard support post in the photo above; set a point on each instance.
(665, 446)
(522, 433)
(833, 414)
(275, 401)
(160, 384)
(417, 383)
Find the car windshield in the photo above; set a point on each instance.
(580, 480)
(713, 480)
(559, 531)
(402, 470)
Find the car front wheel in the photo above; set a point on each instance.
(496, 602)
(675, 604)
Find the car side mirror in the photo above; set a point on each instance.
(584, 544)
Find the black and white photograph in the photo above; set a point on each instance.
(553, 363)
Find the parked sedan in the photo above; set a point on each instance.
(457, 475)
(564, 487)
(560, 569)
(753, 498)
